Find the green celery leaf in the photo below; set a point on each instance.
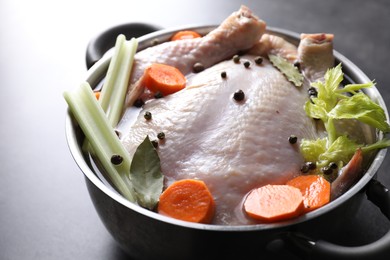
(325, 98)
(289, 70)
(332, 103)
(384, 143)
(362, 108)
(333, 78)
(312, 149)
(146, 175)
(316, 109)
(352, 88)
(327, 89)
(341, 150)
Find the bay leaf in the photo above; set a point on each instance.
(146, 175)
(290, 71)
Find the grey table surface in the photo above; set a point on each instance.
(45, 210)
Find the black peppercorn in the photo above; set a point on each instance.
(116, 159)
(198, 67)
(305, 168)
(148, 115)
(308, 166)
(158, 95)
(292, 139)
(161, 135)
(239, 95)
(223, 74)
(311, 165)
(312, 92)
(258, 60)
(297, 64)
(327, 170)
(236, 58)
(139, 102)
(247, 64)
(333, 165)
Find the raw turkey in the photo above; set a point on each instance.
(240, 31)
(232, 145)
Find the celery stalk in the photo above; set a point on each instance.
(117, 78)
(101, 136)
(114, 89)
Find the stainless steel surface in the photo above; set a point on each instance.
(45, 211)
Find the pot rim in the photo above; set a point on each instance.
(96, 73)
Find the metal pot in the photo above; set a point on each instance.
(144, 234)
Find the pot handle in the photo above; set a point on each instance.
(106, 40)
(380, 249)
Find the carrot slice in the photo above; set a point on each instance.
(188, 200)
(163, 78)
(271, 203)
(315, 190)
(185, 35)
(97, 94)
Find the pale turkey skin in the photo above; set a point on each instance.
(238, 32)
(234, 146)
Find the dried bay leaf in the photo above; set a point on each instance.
(289, 70)
(146, 175)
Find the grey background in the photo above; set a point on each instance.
(45, 211)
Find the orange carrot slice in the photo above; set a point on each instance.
(188, 200)
(97, 94)
(185, 35)
(315, 190)
(271, 203)
(164, 79)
